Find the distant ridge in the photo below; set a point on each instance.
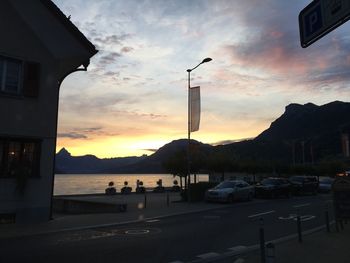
(302, 134)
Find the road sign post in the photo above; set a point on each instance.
(321, 17)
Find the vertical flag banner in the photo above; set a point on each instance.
(195, 98)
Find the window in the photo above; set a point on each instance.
(19, 77)
(19, 156)
(11, 72)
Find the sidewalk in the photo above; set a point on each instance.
(156, 206)
(320, 247)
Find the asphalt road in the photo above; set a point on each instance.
(179, 238)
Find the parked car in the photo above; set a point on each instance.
(273, 187)
(304, 184)
(325, 184)
(229, 191)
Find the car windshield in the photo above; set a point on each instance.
(326, 180)
(225, 185)
(297, 179)
(271, 181)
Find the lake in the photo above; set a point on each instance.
(66, 184)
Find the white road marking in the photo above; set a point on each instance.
(305, 218)
(295, 217)
(152, 221)
(237, 249)
(208, 255)
(137, 231)
(291, 216)
(260, 214)
(301, 205)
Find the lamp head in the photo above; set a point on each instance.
(206, 60)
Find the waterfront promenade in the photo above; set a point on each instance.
(157, 205)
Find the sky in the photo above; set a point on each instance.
(133, 98)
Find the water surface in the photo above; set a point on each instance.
(97, 183)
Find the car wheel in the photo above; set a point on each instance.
(230, 199)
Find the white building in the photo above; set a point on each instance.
(39, 47)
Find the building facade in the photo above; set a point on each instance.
(39, 47)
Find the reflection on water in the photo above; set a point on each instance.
(97, 183)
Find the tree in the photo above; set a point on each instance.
(177, 165)
(221, 162)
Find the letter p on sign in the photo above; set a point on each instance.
(313, 21)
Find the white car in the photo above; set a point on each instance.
(229, 191)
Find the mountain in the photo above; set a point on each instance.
(153, 163)
(66, 163)
(308, 121)
(302, 134)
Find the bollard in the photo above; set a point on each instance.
(270, 253)
(326, 215)
(299, 229)
(145, 201)
(167, 200)
(262, 241)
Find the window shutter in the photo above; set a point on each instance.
(31, 79)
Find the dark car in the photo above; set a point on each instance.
(304, 184)
(325, 184)
(273, 187)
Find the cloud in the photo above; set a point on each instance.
(86, 133)
(94, 103)
(72, 135)
(111, 74)
(138, 114)
(112, 39)
(126, 49)
(109, 58)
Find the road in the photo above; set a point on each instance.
(179, 238)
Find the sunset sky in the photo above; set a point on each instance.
(133, 99)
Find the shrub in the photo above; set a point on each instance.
(197, 191)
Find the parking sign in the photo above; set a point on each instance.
(321, 17)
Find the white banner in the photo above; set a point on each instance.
(195, 98)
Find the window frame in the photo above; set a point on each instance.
(19, 90)
(35, 162)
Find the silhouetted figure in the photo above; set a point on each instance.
(159, 188)
(111, 190)
(139, 187)
(126, 189)
(176, 187)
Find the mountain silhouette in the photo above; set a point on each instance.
(302, 134)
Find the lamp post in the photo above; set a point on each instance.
(189, 120)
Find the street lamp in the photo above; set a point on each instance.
(189, 118)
